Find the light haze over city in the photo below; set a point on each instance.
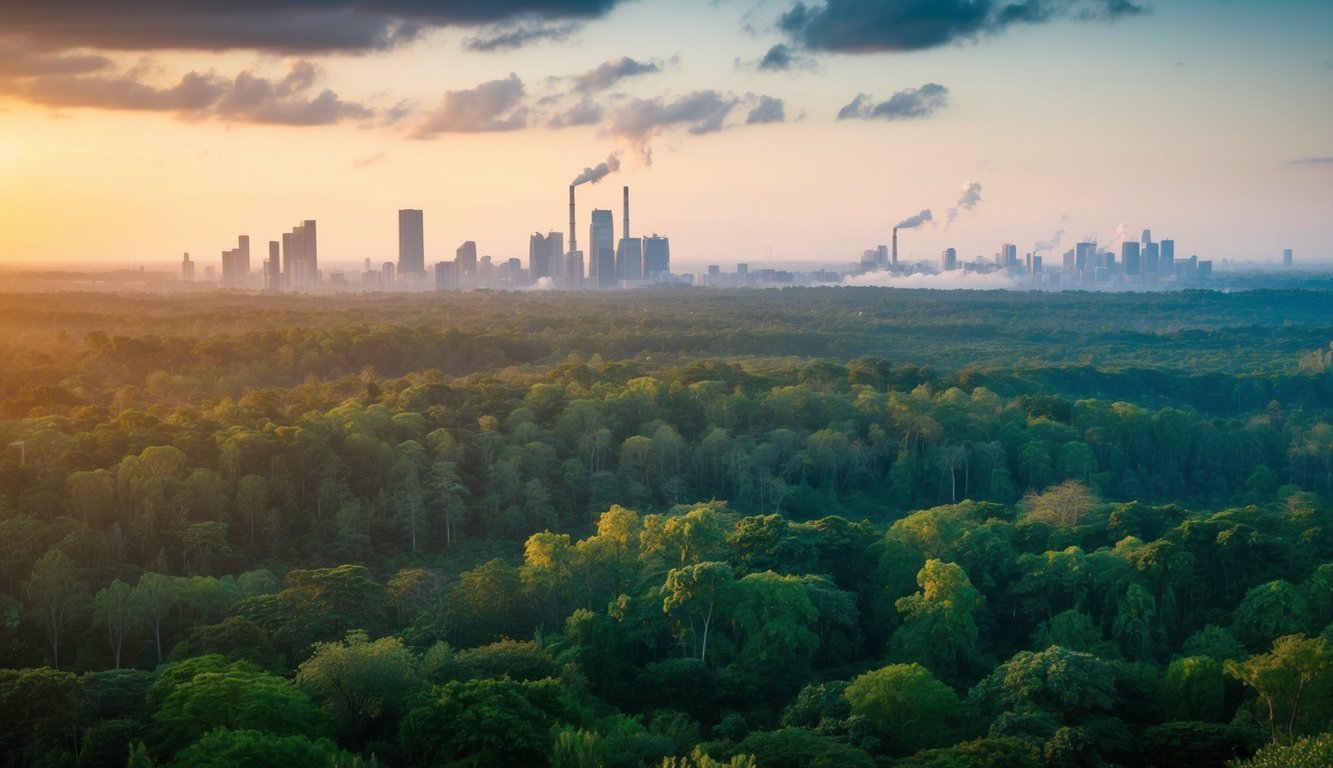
(749, 131)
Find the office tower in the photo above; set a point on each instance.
(1151, 253)
(1071, 260)
(629, 259)
(539, 256)
(1166, 257)
(602, 253)
(743, 270)
(1147, 238)
(446, 276)
(1130, 257)
(882, 257)
(1028, 265)
(656, 257)
(387, 275)
(300, 257)
(466, 256)
(293, 251)
(411, 242)
(1008, 255)
(1085, 256)
(236, 263)
(187, 269)
(1286, 258)
(573, 276)
(273, 267)
(948, 260)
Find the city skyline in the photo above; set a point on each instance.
(750, 132)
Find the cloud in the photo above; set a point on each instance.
(198, 95)
(608, 73)
(769, 110)
(969, 201)
(639, 121)
(286, 26)
(780, 58)
(861, 26)
(19, 59)
(366, 162)
(510, 36)
(586, 112)
(958, 279)
(908, 104)
(1311, 161)
(490, 106)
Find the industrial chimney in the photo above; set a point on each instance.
(625, 229)
(895, 247)
(573, 242)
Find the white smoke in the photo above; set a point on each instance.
(912, 222)
(1056, 237)
(599, 171)
(957, 279)
(542, 284)
(968, 202)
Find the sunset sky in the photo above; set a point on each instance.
(748, 130)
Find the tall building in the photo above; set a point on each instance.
(948, 260)
(602, 253)
(466, 256)
(446, 276)
(187, 269)
(1166, 257)
(300, 257)
(656, 257)
(546, 255)
(236, 263)
(1130, 254)
(1085, 256)
(1286, 258)
(1008, 255)
(573, 276)
(1151, 256)
(273, 267)
(629, 259)
(411, 243)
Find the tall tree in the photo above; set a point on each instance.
(53, 590)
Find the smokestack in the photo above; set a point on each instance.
(895, 247)
(573, 242)
(625, 229)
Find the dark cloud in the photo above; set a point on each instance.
(510, 36)
(769, 110)
(491, 106)
(18, 59)
(968, 201)
(907, 104)
(608, 73)
(857, 26)
(1311, 161)
(779, 58)
(198, 95)
(594, 174)
(585, 112)
(271, 25)
(639, 121)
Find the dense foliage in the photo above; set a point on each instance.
(807, 527)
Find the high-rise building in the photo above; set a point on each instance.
(1151, 256)
(446, 276)
(1130, 257)
(300, 257)
(309, 276)
(1085, 256)
(466, 256)
(573, 276)
(602, 253)
(273, 267)
(1008, 255)
(656, 257)
(546, 255)
(187, 269)
(1146, 238)
(1166, 257)
(387, 275)
(629, 259)
(236, 263)
(1286, 258)
(411, 243)
(948, 260)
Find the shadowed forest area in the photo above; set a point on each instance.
(668, 527)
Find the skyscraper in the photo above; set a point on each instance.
(948, 260)
(411, 243)
(1166, 257)
(446, 276)
(273, 267)
(187, 269)
(656, 257)
(300, 257)
(236, 263)
(466, 256)
(546, 255)
(602, 256)
(1286, 258)
(1129, 257)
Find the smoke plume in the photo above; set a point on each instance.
(912, 222)
(969, 201)
(1056, 237)
(599, 171)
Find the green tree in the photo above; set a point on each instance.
(907, 706)
(693, 594)
(156, 595)
(483, 723)
(939, 628)
(1194, 688)
(363, 684)
(1294, 683)
(225, 748)
(54, 589)
(117, 610)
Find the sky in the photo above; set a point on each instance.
(748, 130)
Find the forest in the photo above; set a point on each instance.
(670, 528)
